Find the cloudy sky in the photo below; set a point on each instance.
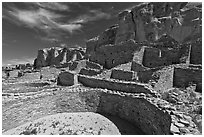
(27, 27)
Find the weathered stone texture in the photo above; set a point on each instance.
(91, 45)
(93, 65)
(154, 57)
(185, 76)
(146, 75)
(57, 56)
(165, 81)
(122, 75)
(126, 30)
(108, 36)
(137, 67)
(138, 111)
(73, 65)
(110, 56)
(196, 52)
(113, 85)
(89, 72)
(65, 79)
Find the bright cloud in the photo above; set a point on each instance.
(92, 16)
(47, 18)
(54, 6)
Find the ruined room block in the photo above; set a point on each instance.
(185, 76)
(66, 79)
(93, 65)
(196, 53)
(122, 75)
(89, 72)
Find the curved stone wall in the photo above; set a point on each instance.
(139, 111)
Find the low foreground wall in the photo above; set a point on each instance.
(113, 85)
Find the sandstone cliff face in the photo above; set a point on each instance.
(57, 56)
(150, 21)
(165, 24)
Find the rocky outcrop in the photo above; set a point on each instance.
(168, 26)
(150, 21)
(57, 56)
(126, 30)
(106, 37)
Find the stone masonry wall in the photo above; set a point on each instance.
(183, 77)
(138, 111)
(113, 85)
(65, 79)
(146, 75)
(122, 75)
(110, 56)
(93, 65)
(154, 57)
(89, 72)
(196, 53)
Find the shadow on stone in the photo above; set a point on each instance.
(124, 126)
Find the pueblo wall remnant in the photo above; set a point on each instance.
(138, 111)
(113, 85)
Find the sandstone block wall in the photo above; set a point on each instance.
(154, 57)
(89, 72)
(183, 77)
(196, 53)
(138, 111)
(145, 76)
(122, 75)
(113, 85)
(57, 56)
(137, 67)
(184, 52)
(110, 56)
(65, 79)
(93, 65)
(73, 65)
